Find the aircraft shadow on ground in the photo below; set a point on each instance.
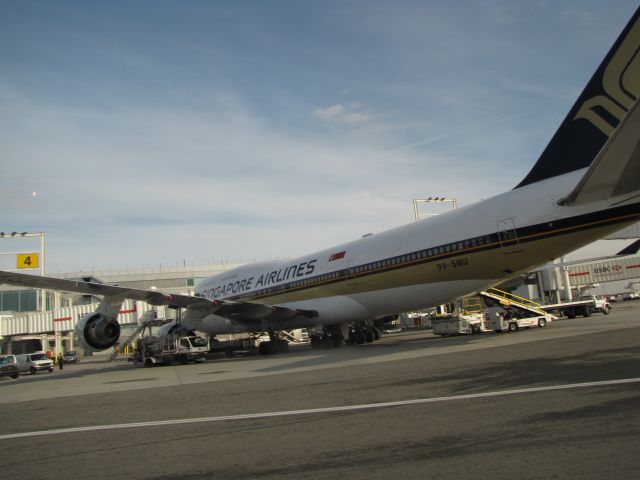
(539, 371)
(366, 351)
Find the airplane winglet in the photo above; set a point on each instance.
(615, 171)
(631, 249)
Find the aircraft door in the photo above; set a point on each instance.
(508, 236)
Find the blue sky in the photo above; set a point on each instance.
(169, 131)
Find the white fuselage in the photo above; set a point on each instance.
(421, 264)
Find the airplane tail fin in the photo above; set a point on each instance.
(600, 111)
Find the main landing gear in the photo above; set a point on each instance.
(328, 337)
(333, 336)
(274, 345)
(361, 332)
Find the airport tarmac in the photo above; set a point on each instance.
(558, 402)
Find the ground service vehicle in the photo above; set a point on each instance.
(34, 362)
(585, 306)
(165, 350)
(460, 324)
(512, 321)
(463, 317)
(9, 366)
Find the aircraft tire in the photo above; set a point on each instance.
(282, 346)
(377, 334)
(358, 337)
(369, 336)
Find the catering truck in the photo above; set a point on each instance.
(166, 350)
(459, 324)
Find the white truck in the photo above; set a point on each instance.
(458, 324)
(584, 306)
(514, 320)
(165, 350)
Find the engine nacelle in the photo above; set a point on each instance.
(97, 332)
(172, 328)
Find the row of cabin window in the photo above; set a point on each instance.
(451, 247)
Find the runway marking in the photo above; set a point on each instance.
(135, 380)
(345, 408)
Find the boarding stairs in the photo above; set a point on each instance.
(146, 320)
(510, 300)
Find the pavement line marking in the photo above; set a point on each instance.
(345, 408)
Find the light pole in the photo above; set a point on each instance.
(41, 262)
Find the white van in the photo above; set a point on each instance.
(34, 362)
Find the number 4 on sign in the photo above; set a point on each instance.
(28, 260)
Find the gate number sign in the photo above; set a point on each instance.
(28, 260)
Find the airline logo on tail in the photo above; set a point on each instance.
(609, 95)
(621, 85)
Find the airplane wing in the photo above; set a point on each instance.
(243, 312)
(628, 250)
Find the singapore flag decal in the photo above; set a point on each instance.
(337, 256)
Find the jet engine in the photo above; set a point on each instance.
(172, 328)
(96, 332)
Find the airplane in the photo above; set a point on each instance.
(584, 186)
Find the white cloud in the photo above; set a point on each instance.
(330, 113)
(357, 118)
(131, 186)
(346, 114)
